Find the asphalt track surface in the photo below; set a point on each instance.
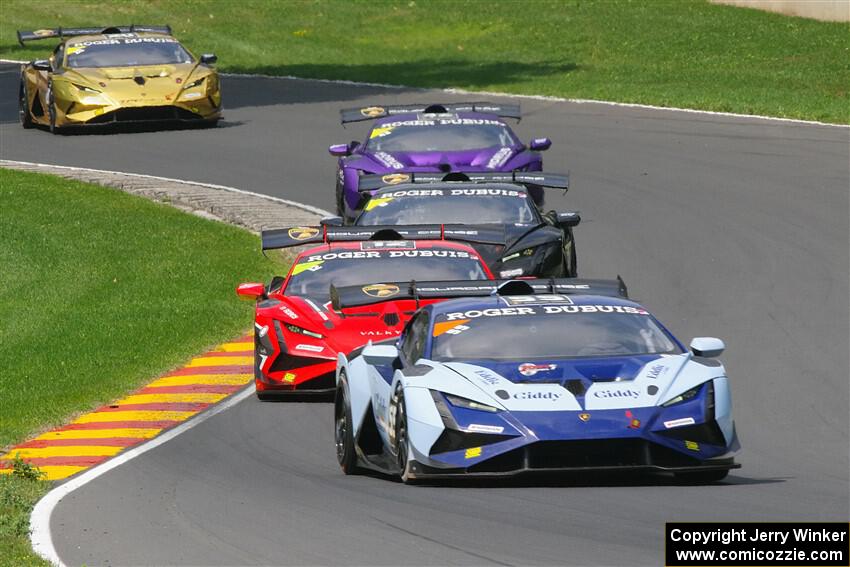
(727, 227)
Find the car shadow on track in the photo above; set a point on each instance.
(571, 480)
(139, 127)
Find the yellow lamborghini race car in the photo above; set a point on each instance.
(115, 75)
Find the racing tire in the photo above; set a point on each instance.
(346, 454)
(51, 110)
(702, 477)
(572, 262)
(401, 440)
(340, 200)
(23, 106)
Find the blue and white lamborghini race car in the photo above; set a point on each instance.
(534, 375)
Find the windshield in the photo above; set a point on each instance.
(126, 52)
(440, 135)
(313, 275)
(448, 206)
(548, 332)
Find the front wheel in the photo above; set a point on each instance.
(570, 255)
(702, 477)
(344, 430)
(51, 110)
(23, 106)
(401, 440)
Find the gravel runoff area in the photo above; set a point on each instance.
(251, 211)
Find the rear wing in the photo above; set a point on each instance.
(71, 32)
(360, 295)
(373, 182)
(300, 235)
(372, 112)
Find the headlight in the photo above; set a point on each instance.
(86, 89)
(459, 402)
(299, 331)
(194, 83)
(683, 397)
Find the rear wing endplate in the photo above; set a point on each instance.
(301, 235)
(377, 111)
(373, 182)
(71, 32)
(358, 296)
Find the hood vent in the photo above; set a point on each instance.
(575, 387)
(391, 319)
(139, 80)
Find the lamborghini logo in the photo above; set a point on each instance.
(395, 178)
(584, 416)
(303, 232)
(381, 290)
(372, 111)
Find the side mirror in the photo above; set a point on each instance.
(380, 355)
(331, 221)
(209, 58)
(41, 65)
(251, 291)
(708, 347)
(339, 150)
(353, 145)
(566, 219)
(540, 144)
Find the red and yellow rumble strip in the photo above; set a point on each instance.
(144, 414)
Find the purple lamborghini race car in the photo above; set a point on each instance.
(437, 138)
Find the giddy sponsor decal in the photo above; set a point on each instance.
(679, 422)
(656, 371)
(526, 395)
(309, 348)
(626, 393)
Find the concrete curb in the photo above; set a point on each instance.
(218, 202)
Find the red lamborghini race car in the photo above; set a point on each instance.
(298, 332)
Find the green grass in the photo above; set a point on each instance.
(18, 495)
(684, 53)
(100, 291)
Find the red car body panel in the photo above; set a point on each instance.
(288, 359)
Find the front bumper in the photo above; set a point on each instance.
(106, 112)
(612, 455)
(600, 440)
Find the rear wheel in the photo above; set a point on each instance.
(23, 106)
(340, 200)
(344, 430)
(702, 477)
